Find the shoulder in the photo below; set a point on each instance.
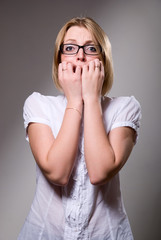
(38, 100)
(121, 111)
(40, 105)
(118, 104)
(43, 109)
(38, 97)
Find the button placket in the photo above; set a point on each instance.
(75, 215)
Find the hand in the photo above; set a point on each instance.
(92, 80)
(70, 81)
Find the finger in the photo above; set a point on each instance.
(85, 69)
(91, 66)
(60, 71)
(97, 64)
(101, 67)
(78, 71)
(69, 67)
(97, 61)
(64, 66)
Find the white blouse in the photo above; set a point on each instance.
(80, 210)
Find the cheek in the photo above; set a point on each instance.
(62, 58)
(65, 58)
(91, 58)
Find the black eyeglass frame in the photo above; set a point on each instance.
(83, 47)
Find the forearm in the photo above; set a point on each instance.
(99, 155)
(62, 154)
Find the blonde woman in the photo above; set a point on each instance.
(80, 140)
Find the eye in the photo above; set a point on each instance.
(92, 49)
(69, 48)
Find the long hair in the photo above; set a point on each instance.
(100, 38)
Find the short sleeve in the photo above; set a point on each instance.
(35, 110)
(128, 114)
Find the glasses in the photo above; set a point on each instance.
(71, 49)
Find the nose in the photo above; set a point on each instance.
(81, 55)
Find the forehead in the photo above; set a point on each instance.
(78, 34)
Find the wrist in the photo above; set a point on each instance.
(77, 105)
(92, 100)
(93, 105)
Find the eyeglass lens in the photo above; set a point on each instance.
(73, 49)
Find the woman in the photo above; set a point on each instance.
(80, 140)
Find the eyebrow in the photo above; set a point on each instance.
(74, 41)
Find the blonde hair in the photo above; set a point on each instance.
(99, 36)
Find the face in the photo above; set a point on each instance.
(80, 36)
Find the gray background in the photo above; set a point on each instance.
(28, 32)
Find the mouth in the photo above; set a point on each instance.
(75, 66)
